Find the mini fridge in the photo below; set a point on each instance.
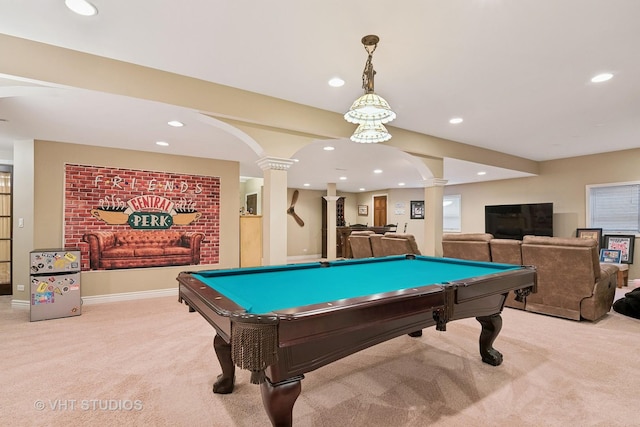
(55, 283)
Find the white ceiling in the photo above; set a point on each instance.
(518, 72)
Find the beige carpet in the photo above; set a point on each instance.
(151, 363)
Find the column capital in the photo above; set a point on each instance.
(435, 182)
(331, 198)
(275, 163)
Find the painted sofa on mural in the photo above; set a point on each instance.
(136, 248)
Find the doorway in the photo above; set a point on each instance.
(379, 211)
(252, 203)
(6, 229)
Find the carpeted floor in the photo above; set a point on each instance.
(151, 363)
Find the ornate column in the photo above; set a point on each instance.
(433, 192)
(274, 212)
(331, 199)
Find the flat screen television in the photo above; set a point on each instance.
(517, 221)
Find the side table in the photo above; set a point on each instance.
(623, 275)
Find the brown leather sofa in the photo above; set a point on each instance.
(473, 246)
(137, 248)
(376, 244)
(508, 251)
(571, 281)
(399, 244)
(364, 245)
(360, 245)
(483, 247)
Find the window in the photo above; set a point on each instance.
(614, 207)
(451, 218)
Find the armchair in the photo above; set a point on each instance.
(571, 281)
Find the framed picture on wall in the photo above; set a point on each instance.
(623, 243)
(417, 209)
(590, 233)
(363, 210)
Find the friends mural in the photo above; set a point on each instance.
(167, 207)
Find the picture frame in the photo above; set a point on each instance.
(610, 255)
(417, 209)
(622, 242)
(591, 233)
(363, 210)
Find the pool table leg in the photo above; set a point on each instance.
(491, 326)
(278, 399)
(225, 382)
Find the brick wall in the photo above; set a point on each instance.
(92, 189)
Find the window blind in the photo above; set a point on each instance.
(614, 208)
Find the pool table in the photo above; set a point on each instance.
(280, 322)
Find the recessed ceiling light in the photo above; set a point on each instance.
(362, 189)
(175, 124)
(377, 171)
(343, 178)
(162, 143)
(401, 184)
(306, 184)
(336, 82)
(329, 148)
(482, 173)
(456, 120)
(81, 7)
(602, 78)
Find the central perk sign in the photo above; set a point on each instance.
(150, 220)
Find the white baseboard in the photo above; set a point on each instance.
(128, 296)
(299, 258)
(18, 303)
(101, 299)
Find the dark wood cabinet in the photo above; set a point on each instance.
(339, 223)
(343, 231)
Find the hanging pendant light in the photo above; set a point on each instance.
(371, 132)
(370, 109)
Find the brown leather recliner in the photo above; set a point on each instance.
(571, 281)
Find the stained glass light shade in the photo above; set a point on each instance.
(370, 107)
(371, 132)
